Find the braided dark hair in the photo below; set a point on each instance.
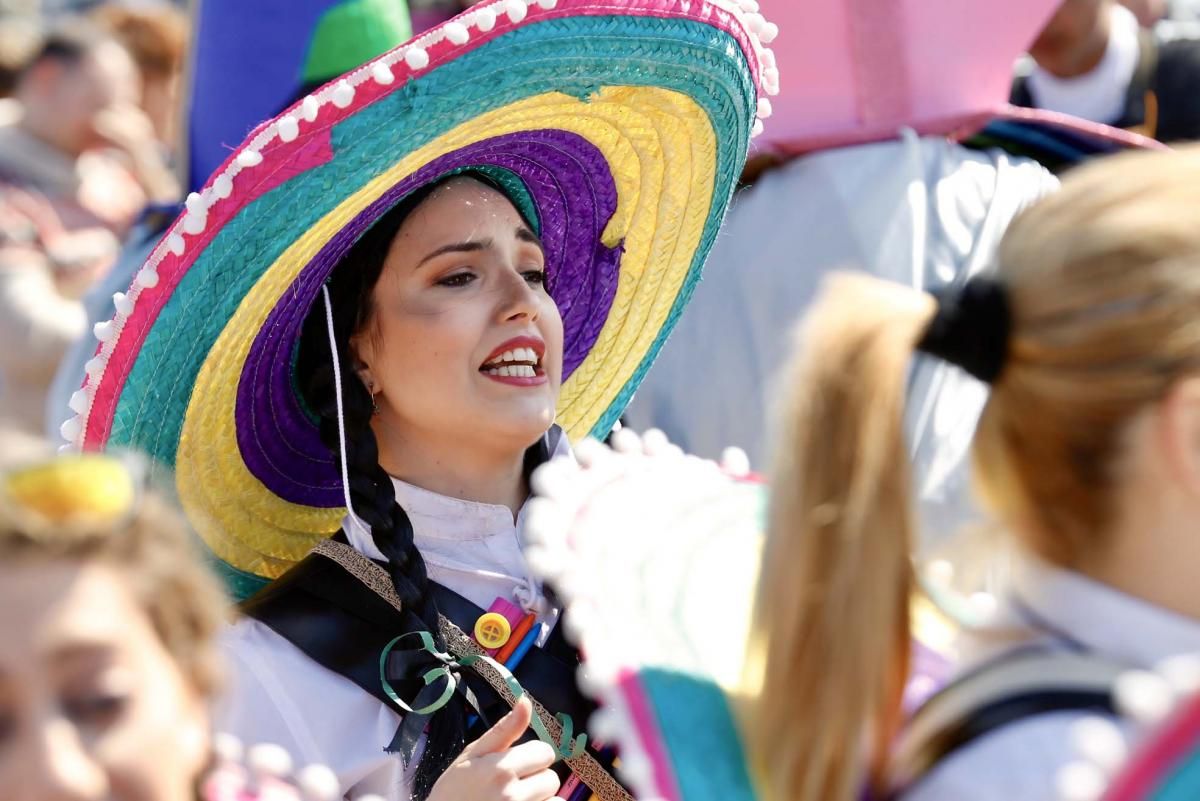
(371, 490)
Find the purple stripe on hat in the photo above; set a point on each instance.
(575, 195)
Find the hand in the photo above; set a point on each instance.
(127, 128)
(492, 769)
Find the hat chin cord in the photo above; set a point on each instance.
(355, 520)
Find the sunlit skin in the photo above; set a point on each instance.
(62, 100)
(92, 707)
(463, 277)
(1075, 39)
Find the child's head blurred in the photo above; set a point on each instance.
(107, 625)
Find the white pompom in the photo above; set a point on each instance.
(223, 186)
(765, 109)
(416, 58)
(105, 331)
(319, 783)
(343, 94)
(382, 74)
(749, 6)
(457, 33)
(625, 441)
(80, 400)
(195, 203)
(735, 462)
(1100, 742)
(194, 223)
(1182, 673)
(589, 451)
(516, 10)
(485, 19)
(1080, 781)
(548, 4)
(655, 442)
(65, 449)
(268, 759)
(1144, 696)
(756, 129)
(768, 58)
(147, 278)
(768, 33)
(94, 367)
(755, 21)
(288, 127)
(175, 244)
(228, 747)
(123, 304)
(309, 107)
(71, 429)
(249, 158)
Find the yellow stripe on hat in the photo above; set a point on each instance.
(644, 133)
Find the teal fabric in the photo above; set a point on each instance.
(553, 55)
(699, 735)
(1183, 783)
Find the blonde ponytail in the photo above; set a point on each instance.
(829, 649)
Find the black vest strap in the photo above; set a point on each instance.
(343, 624)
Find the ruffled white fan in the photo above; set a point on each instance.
(655, 555)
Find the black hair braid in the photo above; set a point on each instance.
(374, 500)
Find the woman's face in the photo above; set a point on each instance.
(463, 341)
(91, 704)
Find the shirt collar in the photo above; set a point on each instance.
(1101, 618)
(442, 517)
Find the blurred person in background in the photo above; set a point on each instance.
(1087, 458)
(157, 38)
(1093, 60)
(76, 168)
(107, 627)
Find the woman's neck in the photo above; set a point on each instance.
(461, 470)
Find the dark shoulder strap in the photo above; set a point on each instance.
(1020, 685)
(1141, 98)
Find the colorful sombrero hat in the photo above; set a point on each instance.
(620, 126)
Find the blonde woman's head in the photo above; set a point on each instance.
(1102, 283)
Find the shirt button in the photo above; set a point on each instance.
(492, 630)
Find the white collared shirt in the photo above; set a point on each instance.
(278, 695)
(1021, 760)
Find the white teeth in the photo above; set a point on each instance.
(513, 371)
(510, 356)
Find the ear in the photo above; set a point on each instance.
(362, 351)
(1179, 434)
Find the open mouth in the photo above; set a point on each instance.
(515, 359)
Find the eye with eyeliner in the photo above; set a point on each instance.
(456, 280)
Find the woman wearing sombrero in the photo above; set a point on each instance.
(388, 305)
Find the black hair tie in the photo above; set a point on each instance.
(971, 328)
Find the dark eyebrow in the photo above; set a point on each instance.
(525, 235)
(457, 247)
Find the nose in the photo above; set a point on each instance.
(57, 767)
(520, 301)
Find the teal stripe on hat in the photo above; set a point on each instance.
(554, 55)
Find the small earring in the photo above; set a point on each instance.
(374, 401)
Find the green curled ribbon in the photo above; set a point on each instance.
(567, 747)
